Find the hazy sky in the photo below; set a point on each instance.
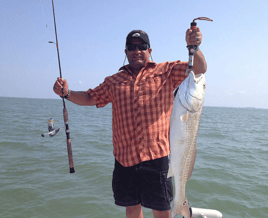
(92, 34)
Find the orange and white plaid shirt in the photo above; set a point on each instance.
(142, 108)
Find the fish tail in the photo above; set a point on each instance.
(185, 211)
(170, 171)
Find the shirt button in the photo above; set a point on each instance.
(138, 124)
(139, 138)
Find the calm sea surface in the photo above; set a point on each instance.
(230, 174)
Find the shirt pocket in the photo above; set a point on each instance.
(154, 84)
(123, 89)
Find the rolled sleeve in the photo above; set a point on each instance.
(100, 94)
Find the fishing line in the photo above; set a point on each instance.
(49, 36)
(43, 12)
(124, 60)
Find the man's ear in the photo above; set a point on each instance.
(150, 50)
(126, 51)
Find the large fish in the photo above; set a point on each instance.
(184, 125)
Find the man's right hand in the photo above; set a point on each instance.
(61, 87)
(80, 97)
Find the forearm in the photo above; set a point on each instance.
(81, 98)
(200, 64)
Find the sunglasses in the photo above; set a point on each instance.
(141, 47)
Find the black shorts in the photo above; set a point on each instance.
(145, 183)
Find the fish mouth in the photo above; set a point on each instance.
(194, 93)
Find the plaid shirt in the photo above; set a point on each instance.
(142, 107)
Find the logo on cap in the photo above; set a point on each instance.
(136, 35)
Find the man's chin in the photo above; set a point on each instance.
(138, 64)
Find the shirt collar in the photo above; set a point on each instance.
(127, 69)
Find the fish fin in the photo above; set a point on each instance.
(184, 117)
(170, 171)
(185, 209)
(54, 132)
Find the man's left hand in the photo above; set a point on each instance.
(193, 37)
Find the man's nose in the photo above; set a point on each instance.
(137, 49)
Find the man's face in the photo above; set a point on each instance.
(138, 59)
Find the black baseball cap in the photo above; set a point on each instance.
(137, 34)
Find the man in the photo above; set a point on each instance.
(141, 94)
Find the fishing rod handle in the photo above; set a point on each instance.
(69, 146)
(192, 48)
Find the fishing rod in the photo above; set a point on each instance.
(65, 114)
(193, 48)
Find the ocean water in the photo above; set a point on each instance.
(230, 174)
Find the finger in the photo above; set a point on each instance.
(196, 38)
(187, 36)
(199, 38)
(60, 80)
(61, 86)
(58, 88)
(195, 41)
(195, 34)
(189, 31)
(58, 85)
(196, 29)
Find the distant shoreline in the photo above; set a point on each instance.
(204, 105)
